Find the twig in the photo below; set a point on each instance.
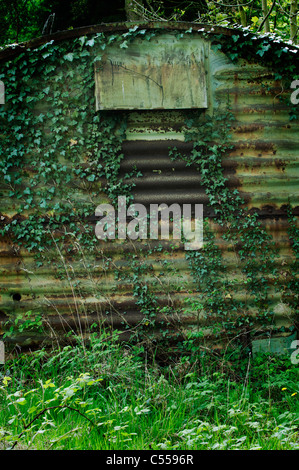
(267, 16)
(44, 411)
(234, 5)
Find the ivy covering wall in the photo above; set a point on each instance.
(54, 145)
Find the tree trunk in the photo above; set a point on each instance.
(242, 15)
(265, 12)
(293, 22)
(134, 10)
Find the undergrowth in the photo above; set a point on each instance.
(110, 396)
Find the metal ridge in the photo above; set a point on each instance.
(13, 50)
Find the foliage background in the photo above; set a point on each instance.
(22, 20)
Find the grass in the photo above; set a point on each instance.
(106, 396)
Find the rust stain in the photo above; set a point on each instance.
(265, 151)
(280, 164)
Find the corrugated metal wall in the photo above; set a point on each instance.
(263, 165)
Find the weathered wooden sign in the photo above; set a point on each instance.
(168, 74)
(2, 353)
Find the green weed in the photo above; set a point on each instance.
(104, 395)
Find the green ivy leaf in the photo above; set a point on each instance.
(69, 57)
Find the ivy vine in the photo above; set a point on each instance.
(53, 142)
(252, 246)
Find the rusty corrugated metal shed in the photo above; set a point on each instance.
(263, 166)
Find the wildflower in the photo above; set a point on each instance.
(293, 394)
(284, 388)
(6, 380)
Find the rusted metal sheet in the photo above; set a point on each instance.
(165, 180)
(263, 166)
